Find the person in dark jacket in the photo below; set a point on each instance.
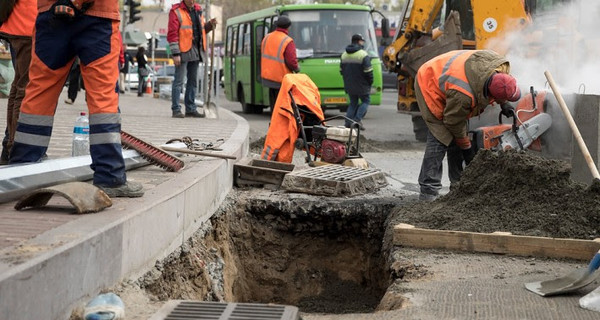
(356, 69)
(142, 71)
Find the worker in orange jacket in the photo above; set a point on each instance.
(17, 30)
(450, 89)
(283, 129)
(89, 30)
(278, 57)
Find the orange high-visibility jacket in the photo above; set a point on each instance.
(21, 20)
(272, 61)
(445, 72)
(283, 130)
(186, 33)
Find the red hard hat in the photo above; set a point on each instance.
(504, 87)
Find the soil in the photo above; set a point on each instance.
(513, 192)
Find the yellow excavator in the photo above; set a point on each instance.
(428, 28)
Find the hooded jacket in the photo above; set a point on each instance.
(356, 69)
(459, 107)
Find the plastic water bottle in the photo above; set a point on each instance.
(108, 306)
(81, 136)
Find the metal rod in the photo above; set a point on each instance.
(199, 153)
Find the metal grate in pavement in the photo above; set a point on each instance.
(180, 310)
(334, 180)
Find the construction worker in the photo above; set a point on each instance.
(356, 69)
(90, 31)
(278, 57)
(187, 41)
(450, 89)
(17, 29)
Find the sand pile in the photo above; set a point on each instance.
(514, 192)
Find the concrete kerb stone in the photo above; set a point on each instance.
(45, 277)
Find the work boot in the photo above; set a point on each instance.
(127, 190)
(178, 114)
(427, 197)
(194, 114)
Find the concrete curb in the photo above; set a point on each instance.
(45, 277)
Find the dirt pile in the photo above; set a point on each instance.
(515, 192)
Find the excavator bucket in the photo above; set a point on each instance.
(450, 40)
(85, 197)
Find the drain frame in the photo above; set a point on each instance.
(206, 310)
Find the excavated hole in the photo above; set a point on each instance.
(320, 255)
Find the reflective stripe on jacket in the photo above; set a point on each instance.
(445, 72)
(283, 131)
(21, 20)
(272, 60)
(108, 9)
(186, 31)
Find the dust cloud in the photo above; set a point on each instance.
(563, 40)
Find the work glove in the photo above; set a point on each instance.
(469, 154)
(507, 110)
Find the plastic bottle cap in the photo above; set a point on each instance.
(82, 113)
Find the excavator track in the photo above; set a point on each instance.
(151, 153)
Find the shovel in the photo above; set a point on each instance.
(210, 109)
(580, 277)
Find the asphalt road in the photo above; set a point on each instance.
(382, 122)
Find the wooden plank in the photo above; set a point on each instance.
(498, 242)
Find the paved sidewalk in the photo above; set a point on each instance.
(51, 258)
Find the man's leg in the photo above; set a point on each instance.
(352, 108)
(191, 87)
(430, 177)
(362, 109)
(98, 49)
(21, 53)
(176, 87)
(51, 60)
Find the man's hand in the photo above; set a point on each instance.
(468, 152)
(177, 60)
(507, 110)
(213, 21)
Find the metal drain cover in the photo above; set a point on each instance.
(334, 180)
(189, 309)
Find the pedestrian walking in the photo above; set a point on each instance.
(74, 82)
(450, 89)
(143, 72)
(187, 41)
(124, 71)
(92, 34)
(356, 69)
(17, 29)
(278, 57)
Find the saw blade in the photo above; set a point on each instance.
(528, 132)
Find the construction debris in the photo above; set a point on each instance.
(85, 197)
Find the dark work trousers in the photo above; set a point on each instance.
(430, 178)
(74, 77)
(20, 48)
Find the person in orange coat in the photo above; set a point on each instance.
(90, 32)
(283, 130)
(17, 30)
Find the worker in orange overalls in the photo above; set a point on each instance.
(89, 30)
(17, 30)
(278, 57)
(283, 129)
(450, 89)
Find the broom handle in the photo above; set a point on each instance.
(586, 153)
(212, 62)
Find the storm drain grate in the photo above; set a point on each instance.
(180, 310)
(334, 180)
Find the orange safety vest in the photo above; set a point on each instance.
(108, 9)
(443, 73)
(186, 33)
(272, 60)
(21, 20)
(283, 130)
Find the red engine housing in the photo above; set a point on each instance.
(333, 151)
